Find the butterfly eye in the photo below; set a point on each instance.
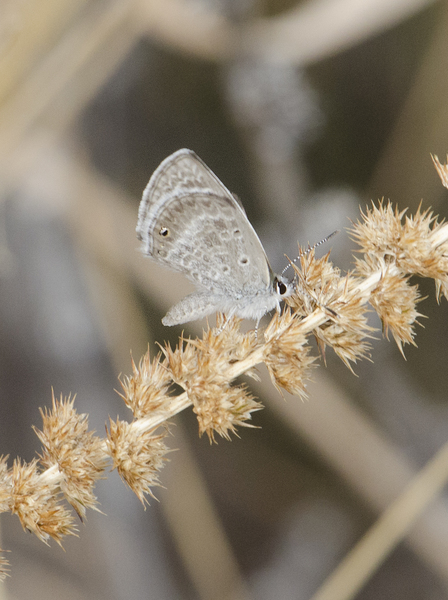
(281, 287)
(164, 232)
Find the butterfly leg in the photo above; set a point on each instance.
(259, 319)
(227, 317)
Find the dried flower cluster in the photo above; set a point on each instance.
(326, 304)
(201, 368)
(73, 451)
(138, 451)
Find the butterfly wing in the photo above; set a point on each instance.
(190, 222)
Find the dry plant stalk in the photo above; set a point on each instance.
(327, 304)
(442, 170)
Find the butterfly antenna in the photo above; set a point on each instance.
(309, 249)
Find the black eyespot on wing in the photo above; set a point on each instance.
(164, 232)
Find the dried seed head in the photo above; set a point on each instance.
(221, 408)
(37, 503)
(286, 354)
(410, 247)
(181, 361)
(77, 453)
(318, 284)
(379, 232)
(201, 367)
(138, 456)
(395, 300)
(147, 389)
(420, 255)
(385, 239)
(321, 286)
(347, 329)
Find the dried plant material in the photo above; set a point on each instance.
(37, 503)
(326, 304)
(286, 354)
(416, 246)
(181, 361)
(221, 408)
(436, 267)
(379, 233)
(422, 256)
(219, 347)
(441, 289)
(395, 302)
(138, 456)
(223, 346)
(320, 285)
(201, 368)
(227, 339)
(147, 389)
(349, 344)
(78, 454)
(386, 240)
(442, 170)
(318, 282)
(4, 567)
(5, 485)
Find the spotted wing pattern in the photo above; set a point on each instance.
(190, 222)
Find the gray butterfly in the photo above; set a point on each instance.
(190, 222)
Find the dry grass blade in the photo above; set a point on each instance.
(352, 573)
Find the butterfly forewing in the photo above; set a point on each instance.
(190, 222)
(180, 173)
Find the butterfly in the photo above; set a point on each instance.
(190, 222)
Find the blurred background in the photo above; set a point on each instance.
(307, 110)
